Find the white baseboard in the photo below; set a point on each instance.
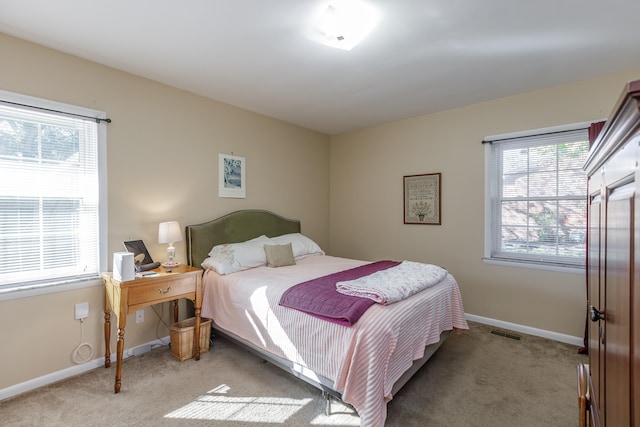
(44, 380)
(567, 339)
(63, 374)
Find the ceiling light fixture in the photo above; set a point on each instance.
(344, 23)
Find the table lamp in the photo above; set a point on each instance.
(169, 232)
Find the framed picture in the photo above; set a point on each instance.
(422, 199)
(140, 253)
(232, 177)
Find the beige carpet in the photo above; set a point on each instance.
(475, 379)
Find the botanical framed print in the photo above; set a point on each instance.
(422, 199)
(232, 177)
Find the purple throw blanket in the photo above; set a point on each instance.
(319, 297)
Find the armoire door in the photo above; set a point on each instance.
(617, 305)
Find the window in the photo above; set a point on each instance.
(536, 191)
(50, 190)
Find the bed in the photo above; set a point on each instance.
(364, 364)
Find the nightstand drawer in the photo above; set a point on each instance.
(162, 290)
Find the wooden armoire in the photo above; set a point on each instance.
(613, 268)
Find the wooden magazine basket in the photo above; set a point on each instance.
(182, 338)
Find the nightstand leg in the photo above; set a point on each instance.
(107, 339)
(120, 352)
(175, 310)
(197, 305)
(197, 333)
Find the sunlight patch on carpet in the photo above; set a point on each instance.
(246, 409)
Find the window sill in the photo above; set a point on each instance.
(48, 288)
(534, 266)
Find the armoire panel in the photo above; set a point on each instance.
(616, 408)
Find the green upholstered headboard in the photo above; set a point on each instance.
(233, 228)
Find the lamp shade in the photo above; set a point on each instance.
(169, 232)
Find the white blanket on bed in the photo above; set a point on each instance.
(395, 283)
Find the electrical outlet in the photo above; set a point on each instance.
(139, 316)
(81, 311)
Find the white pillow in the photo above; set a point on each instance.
(302, 245)
(262, 238)
(232, 257)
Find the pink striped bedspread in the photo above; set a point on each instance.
(363, 360)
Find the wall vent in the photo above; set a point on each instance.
(506, 334)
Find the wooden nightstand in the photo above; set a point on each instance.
(126, 297)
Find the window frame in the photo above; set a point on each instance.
(491, 191)
(29, 289)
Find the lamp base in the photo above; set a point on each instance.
(170, 264)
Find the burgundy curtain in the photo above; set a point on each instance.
(594, 131)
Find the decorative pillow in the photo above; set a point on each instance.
(279, 255)
(232, 257)
(302, 245)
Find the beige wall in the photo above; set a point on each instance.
(367, 167)
(163, 150)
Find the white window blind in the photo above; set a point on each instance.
(538, 198)
(49, 197)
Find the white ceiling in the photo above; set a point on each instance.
(423, 56)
